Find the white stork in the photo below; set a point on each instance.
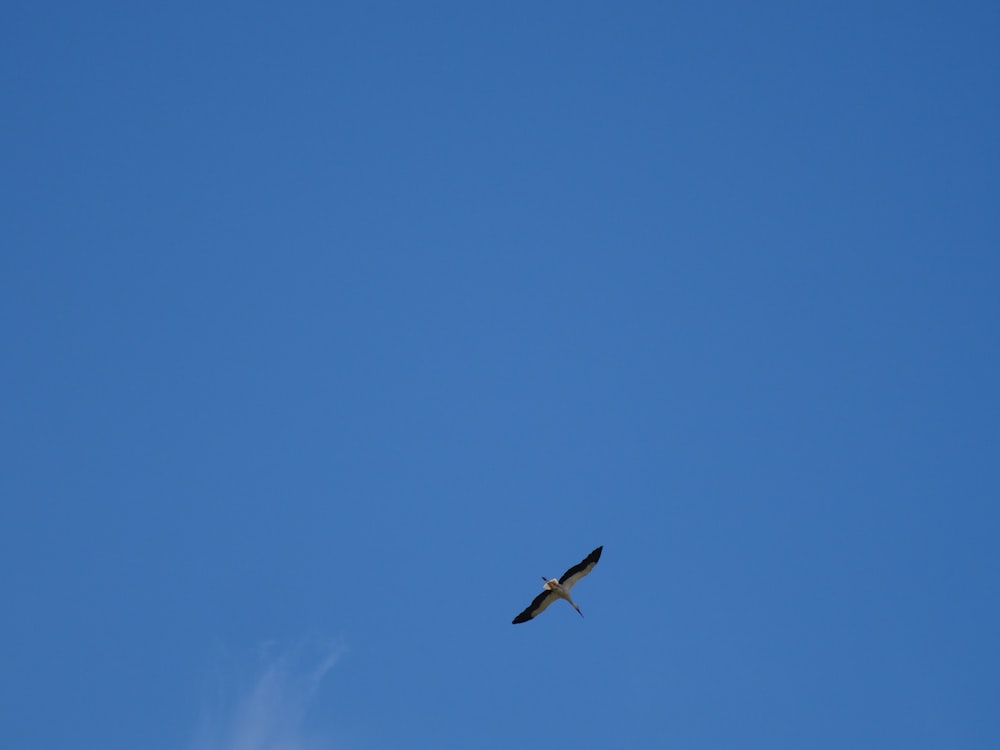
(560, 589)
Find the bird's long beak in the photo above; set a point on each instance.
(545, 579)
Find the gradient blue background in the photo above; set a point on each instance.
(328, 328)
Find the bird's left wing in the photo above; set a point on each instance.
(578, 571)
(536, 607)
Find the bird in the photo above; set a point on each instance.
(559, 589)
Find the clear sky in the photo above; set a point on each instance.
(328, 328)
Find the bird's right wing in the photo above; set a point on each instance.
(581, 569)
(538, 606)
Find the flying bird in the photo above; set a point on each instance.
(560, 589)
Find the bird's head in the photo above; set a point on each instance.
(550, 583)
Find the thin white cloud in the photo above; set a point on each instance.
(268, 711)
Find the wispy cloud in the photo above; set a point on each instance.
(267, 711)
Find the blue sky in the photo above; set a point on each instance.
(328, 328)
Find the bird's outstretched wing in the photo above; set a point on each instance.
(578, 571)
(538, 606)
